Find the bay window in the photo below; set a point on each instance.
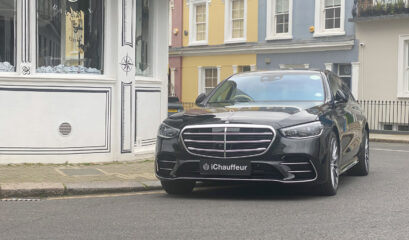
(7, 35)
(70, 36)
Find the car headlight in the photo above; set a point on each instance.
(303, 131)
(166, 131)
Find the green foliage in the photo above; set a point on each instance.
(379, 9)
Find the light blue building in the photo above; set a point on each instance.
(309, 34)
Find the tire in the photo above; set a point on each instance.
(362, 167)
(330, 186)
(178, 187)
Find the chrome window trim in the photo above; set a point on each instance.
(225, 126)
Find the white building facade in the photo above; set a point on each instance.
(81, 80)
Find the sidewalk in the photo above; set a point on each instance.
(389, 138)
(35, 180)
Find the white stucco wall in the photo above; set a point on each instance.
(379, 57)
(114, 116)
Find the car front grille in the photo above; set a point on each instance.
(228, 140)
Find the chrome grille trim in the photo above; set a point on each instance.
(228, 151)
(232, 142)
(269, 131)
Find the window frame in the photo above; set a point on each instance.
(16, 50)
(403, 67)
(33, 25)
(192, 22)
(271, 31)
(320, 30)
(202, 77)
(228, 23)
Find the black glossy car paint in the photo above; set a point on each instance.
(342, 116)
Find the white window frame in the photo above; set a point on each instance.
(202, 77)
(228, 34)
(192, 22)
(403, 66)
(171, 7)
(271, 24)
(320, 30)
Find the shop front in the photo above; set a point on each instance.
(81, 80)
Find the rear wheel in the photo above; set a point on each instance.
(362, 167)
(178, 187)
(330, 187)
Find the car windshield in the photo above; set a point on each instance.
(270, 87)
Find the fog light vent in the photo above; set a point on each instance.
(65, 129)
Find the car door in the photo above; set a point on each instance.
(354, 123)
(343, 117)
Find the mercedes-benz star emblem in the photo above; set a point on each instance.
(206, 167)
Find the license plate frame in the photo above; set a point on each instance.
(225, 167)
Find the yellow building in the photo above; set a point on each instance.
(216, 37)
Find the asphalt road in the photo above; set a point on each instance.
(373, 207)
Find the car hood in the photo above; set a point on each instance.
(275, 115)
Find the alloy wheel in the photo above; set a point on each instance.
(367, 153)
(334, 169)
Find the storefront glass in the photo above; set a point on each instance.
(70, 36)
(7, 35)
(144, 41)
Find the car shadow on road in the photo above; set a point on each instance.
(258, 191)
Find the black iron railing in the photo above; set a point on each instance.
(188, 105)
(370, 8)
(387, 116)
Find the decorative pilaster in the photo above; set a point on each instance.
(25, 38)
(355, 79)
(126, 57)
(328, 66)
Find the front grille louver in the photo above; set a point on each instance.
(228, 140)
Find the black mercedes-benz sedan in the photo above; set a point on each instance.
(293, 126)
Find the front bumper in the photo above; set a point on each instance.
(287, 161)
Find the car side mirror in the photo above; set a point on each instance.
(340, 97)
(200, 99)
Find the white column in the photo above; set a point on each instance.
(172, 81)
(219, 68)
(328, 66)
(253, 67)
(355, 79)
(200, 85)
(235, 67)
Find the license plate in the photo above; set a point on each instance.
(172, 110)
(225, 167)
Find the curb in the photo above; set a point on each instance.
(25, 190)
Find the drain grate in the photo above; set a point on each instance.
(19, 200)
